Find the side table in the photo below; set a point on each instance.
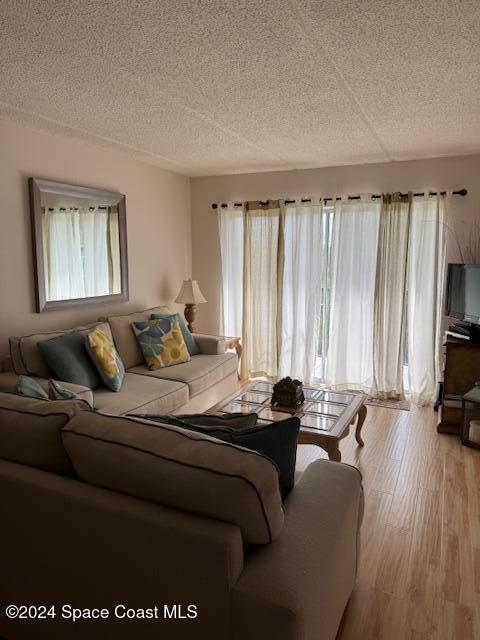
(233, 344)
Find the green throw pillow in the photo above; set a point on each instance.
(190, 341)
(27, 386)
(67, 357)
(276, 440)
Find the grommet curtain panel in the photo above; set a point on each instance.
(261, 290)
(349, 362)
(426, 284)
(391, 296)
(230, 231)
(301, 290)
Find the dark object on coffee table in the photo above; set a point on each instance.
(288, 393)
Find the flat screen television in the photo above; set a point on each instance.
(463, 292)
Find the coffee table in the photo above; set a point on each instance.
(325, 416)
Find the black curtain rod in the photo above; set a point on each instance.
(224, 205)
(460, 192)
(76, 208)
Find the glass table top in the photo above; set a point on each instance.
(320, 411)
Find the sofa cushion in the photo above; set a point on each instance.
(201, 373)
(30, 431)
(141, 396)
(123, 337)
(26, 357)
(178, 468)
(275, 440)
(9, 382)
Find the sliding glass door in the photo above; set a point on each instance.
(348, 295)
(325, 247)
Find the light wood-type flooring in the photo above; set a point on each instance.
(419, 569)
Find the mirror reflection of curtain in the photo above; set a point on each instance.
(81, 253)
(115, 276)
(95, 257)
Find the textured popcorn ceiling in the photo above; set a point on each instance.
(208, 87)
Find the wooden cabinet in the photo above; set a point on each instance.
(462, 370)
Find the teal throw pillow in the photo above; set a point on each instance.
(67, 357)
(190, 341)
(27, 386)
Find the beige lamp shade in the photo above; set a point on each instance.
(190, 293)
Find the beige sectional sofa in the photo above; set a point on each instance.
(100, 512)
(190, 387)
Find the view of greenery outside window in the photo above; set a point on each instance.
(324, 321)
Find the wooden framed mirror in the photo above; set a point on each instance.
(79, 244)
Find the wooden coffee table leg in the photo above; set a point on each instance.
(362, 414)
(334, 451)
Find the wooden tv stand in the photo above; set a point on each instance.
(462, 370)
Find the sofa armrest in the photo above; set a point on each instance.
(210, 345)
(301, 583)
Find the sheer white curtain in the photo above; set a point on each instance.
(301, 290)
(95, 252)
(260, 290)
(385, 263)
(425, 282)
(349, 362)
(114, 251)
(63, 254)
(77, 251)
(230, 231)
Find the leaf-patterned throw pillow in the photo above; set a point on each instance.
(105, 357)
(161, 342)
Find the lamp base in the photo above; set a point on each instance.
(190, 314)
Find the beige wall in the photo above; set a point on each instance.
(158, 221)
(419, 175)
(158, 216)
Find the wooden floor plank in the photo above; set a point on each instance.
(419, 570)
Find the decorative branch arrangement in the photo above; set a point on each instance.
(469, 246)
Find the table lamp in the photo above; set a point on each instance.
(190, 295)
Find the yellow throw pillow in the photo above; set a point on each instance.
(161, 342)
(105, 357)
